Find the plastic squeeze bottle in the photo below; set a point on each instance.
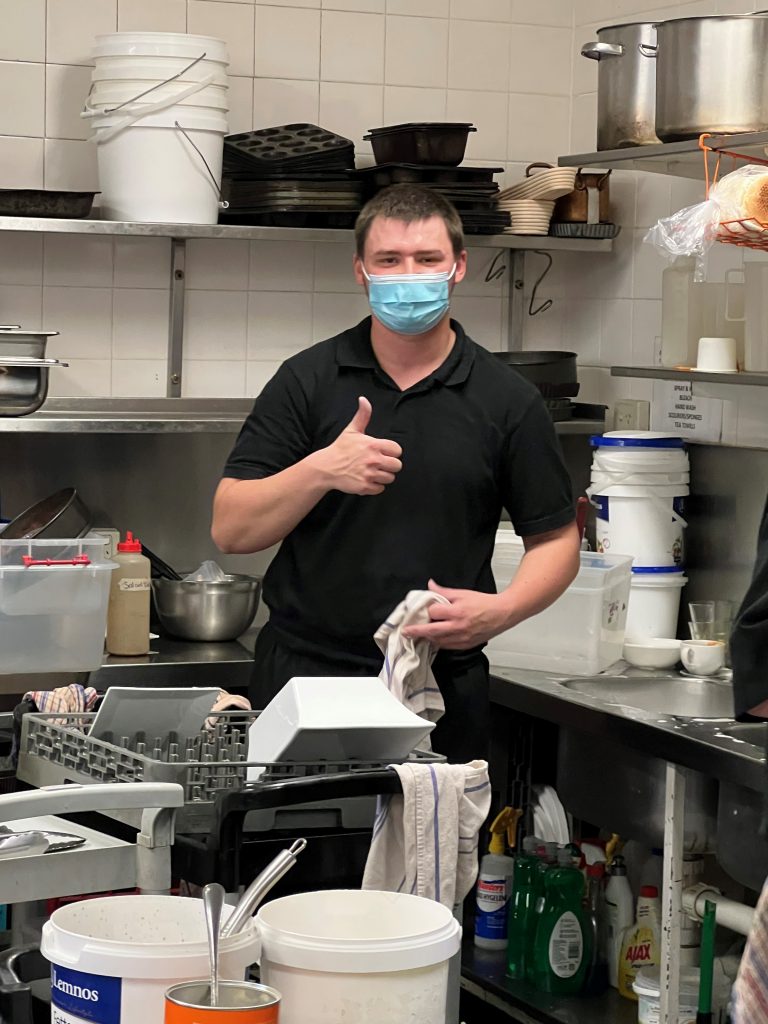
(597, 973)
(562, 942)
(494, 884)
(619, 914)
(640, 945)
(527, 885)
(128, 610)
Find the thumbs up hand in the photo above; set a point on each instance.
(357, 463)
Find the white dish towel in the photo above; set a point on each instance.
(425, 841)
(407, 669)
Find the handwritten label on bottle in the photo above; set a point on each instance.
(133, 584)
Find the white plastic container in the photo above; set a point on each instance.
(647, 988)
(639, 483)
(106, 95)
(582, 633)
(152, 70)
(364, 956)
(53, 616)
(120, 953)
(152, 170)
(654, 602)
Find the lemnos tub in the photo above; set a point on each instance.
(113, 958)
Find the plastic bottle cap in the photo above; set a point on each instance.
(130, 543)
(649, 892)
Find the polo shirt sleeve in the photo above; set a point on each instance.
(535, 485)
(276, 434)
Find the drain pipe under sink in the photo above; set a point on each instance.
(730, 914)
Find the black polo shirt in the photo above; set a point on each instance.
(475, 435)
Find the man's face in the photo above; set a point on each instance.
(422, 247)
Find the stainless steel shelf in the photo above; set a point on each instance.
(132, 416)
(744, 377)
(166, 416)
(683, 159)
(187, 231)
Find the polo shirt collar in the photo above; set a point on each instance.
(354, 350)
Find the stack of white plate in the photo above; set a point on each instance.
(549, 184)
(527, 216)
(549, 819)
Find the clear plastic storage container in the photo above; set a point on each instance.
(582, 633)
(53, 604)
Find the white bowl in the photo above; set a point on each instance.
(652, 652)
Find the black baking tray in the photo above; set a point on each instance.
(289, 219)
(397, 173)
(38, 202)
(288, 144)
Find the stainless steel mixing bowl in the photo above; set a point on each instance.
(209, 612)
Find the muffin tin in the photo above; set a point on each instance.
(291, 145)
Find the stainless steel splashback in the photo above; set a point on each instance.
(728, 491)
(158, 485)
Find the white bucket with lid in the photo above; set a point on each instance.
(113, 958)
(647, 987)
(160, 44)
(639, 483)
(654, 602)
(106, 95)
(364, 956)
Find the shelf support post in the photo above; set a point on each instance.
(176, 317)
(515, 300)
(672, 893)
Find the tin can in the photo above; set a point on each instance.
(239, 1002)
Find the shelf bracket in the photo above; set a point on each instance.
(515, 301)
(176, 317)
(672, 893)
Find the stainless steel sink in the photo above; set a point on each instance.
(742, 849)
(676, 696)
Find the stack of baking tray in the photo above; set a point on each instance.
(472, 190)
(295, 175)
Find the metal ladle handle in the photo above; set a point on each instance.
(260, 886)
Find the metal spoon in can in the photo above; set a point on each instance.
(213, 901)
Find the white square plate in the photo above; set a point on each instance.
(334, 719)
(127, 710)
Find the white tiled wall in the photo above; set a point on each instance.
(349, 65)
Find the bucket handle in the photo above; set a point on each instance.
(89, 112)
(135, 113)
(660, 505)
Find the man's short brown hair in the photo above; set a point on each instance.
(409, 203)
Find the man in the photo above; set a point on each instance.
(381, 459)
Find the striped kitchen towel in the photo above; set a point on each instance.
(407, 669)
(67, 700)
(750, 991)
(425, 841)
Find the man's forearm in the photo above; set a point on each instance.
(252, 515)
(547, 568)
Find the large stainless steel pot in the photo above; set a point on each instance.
(711, 76)
(626, 85)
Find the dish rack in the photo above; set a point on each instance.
(56, 748)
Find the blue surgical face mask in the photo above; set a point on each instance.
(409, 303)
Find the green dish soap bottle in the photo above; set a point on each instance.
(525, 891)
(562, 940)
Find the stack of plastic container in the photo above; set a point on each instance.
(640, 480)
(158, 106)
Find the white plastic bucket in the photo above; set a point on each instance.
(647, 988)
(160, 44)
(654, 603)
(119, 954)
(157, 69)
(153, 171)
(363, 956)
(639, 484)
